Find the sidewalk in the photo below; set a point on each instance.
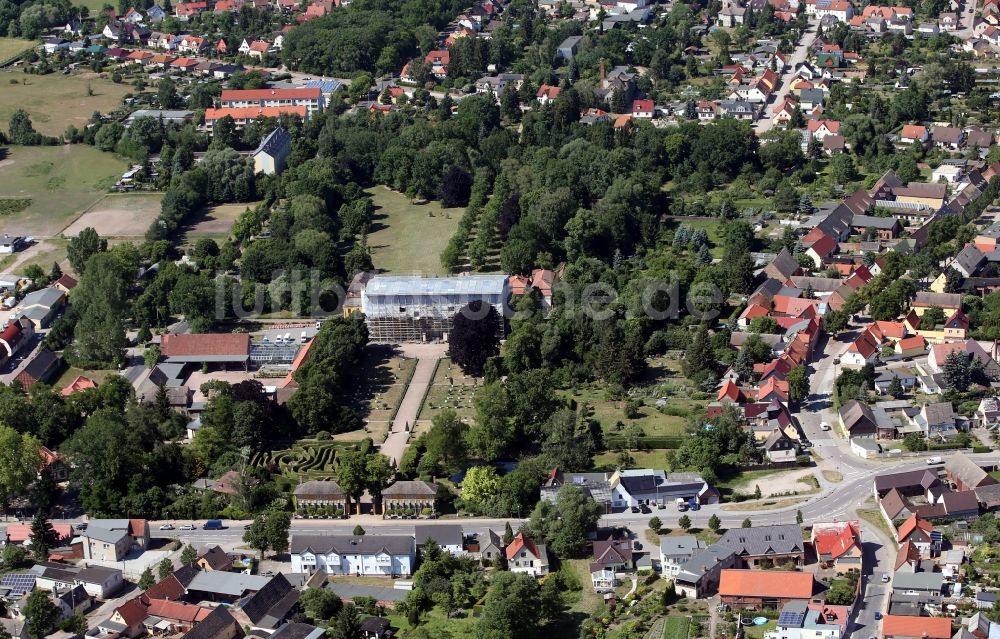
(406, 417)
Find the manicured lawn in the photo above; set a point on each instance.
(55, 101)
(408, 238)
(757, 632)
(61, 181)
(71, 372)
(588, 601)
(9, 47)
(676, 628)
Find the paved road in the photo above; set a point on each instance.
(406, 417)
(966, 18)
(880, 555)
(764, 124)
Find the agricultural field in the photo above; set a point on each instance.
(450, 388)
(9, 47)
(55, 101)
(119, 215)
(407, 239)
(60, 181)
(307, 459)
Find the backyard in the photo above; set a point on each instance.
(408, 238)
(60, 181)
(56, 101)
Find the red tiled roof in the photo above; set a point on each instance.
(913, 131)
(824, 246)
(169, 588)
(911, 524)
(729, 391)
(521, 542)
(769, 584)
(907, 552)
(908, 343)
(926, 627)
(251, 95)
(66, 281)
(176, 610)
(77, 385)
(837, 539)
(195, 344)
(132, 612)
(252, 112)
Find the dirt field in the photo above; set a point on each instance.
(119, 215)
(217, 221)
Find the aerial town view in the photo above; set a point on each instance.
(499, 319)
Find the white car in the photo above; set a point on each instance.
(885, 578)
(187, 527)
(934, 460)
(824, 426)
(167, 527)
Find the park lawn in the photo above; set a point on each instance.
(651, 420)
(676, 628)
(55, 101)
(61, 181)
(10, 47)
(408, 238)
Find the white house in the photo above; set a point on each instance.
(113, 539)
(98, 581)
(677, 551)
(525, 556)
(378, 555)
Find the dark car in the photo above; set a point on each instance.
(635, 509)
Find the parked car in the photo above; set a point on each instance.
(878, 615)
(824, 426)
(187, 527)
(212, 524)
(167, 527)
(635, 510)
(885, 578)
(82, 526)
(934, 460)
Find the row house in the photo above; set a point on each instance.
(309, 98)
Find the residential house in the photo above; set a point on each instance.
(675, 552)
(97, 581)
(918, 531)
(568, 48)
(40, 307)
(449, 537)
(526, 556)
(914, 134)
(379, 555)
(947, 137)
(41, 367)
(936, 420)
(309, 97)
(699, 577)
(907, 627)
(838, 545)
(779, 447)
(113, 539)
(214, 558)
(547, 93)
(775, 544)
(635, 487)
(643, 109)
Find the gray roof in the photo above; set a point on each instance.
(416, 285)
(930, 581)
(276, 141)
(316, 487)
(233, 584)
(47, 297)
(875, 222)
(970, 258)
(697, 566)
(967, 471)
(347, 544)
(217, 624)
(571, 41)
(812, 96)
(907, 479)
(680, 545)
(444, 535)
(97, 574)
(766, 540)
(407, 488)
(298, 631)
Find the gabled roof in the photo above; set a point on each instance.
(769, 584)
(908, 553)
(835, 540)
(519, 543)
(219, 623)
(900, 627)
(962, 468)
(760, 541)
(911, 525)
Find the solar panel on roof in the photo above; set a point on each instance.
(18, 583)
(791, 619)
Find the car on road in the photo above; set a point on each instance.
(187, 527)
(82, 526)
(267, 573)
(885, 578)
(635, 510)
(247, 527)
(824, 426)
(167, 527)
(878, 615)
(934, 460)
(213, 524)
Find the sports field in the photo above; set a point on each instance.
(61, 181)
(119, 215)
(408, 238)
(55, 101)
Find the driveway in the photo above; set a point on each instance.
(764, 124)
(427, 356)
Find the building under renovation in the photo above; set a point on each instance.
(421, 309)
